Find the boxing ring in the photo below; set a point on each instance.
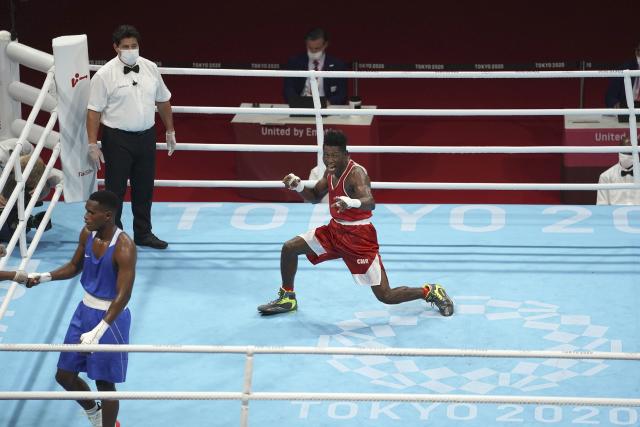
(545, 330)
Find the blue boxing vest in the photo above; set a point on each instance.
(99, 275)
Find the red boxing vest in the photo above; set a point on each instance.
(338, 190)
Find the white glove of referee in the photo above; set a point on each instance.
(293, 182)
(170, 139)
(95, 154)
(94, 335)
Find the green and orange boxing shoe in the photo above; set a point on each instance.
(285, 302)
(436, 295)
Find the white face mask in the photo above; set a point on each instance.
(315, 56)
(129, 56)
(626, 160)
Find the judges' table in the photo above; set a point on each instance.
(593, 131)
(589, 130)
(266, 129)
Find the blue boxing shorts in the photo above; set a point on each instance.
(110, 367)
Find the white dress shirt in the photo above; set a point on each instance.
(307, 86)
(127, 101)
(617, 197)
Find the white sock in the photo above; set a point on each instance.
(93, 410)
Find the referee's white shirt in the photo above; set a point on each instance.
(617, 197)
(127, 101)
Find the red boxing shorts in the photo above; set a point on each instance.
(357, 245)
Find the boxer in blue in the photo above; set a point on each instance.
(106, 256)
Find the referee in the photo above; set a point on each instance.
(124, 95)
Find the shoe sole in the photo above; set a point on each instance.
(271, 313)
(151, 246)
(276, 310)
(446, 313)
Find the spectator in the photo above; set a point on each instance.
(615, 97)
(316, 58)
(6, 148)
(30, 185)
(621, 172)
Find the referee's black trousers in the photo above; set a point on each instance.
(131, 155)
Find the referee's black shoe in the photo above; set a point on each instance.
(151, 241)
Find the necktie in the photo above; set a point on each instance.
(626, 172)
(315, 64)
(135, 69)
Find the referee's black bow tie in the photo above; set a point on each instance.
(626, 172)
(135, 69)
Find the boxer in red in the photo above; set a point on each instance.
(349, 235)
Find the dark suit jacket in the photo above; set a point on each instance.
(335, 89)
(615, 91)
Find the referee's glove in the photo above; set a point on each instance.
(170, 138)
(95, 154)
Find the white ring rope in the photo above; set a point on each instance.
(48, 82)
(430, 352)
(404, 149)
(41, 100)
(317, 112)
(32, 247)
(43, 62)
(227, 72)
(296, 396)
(406, 111)
(250, 351)
(188, 183)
